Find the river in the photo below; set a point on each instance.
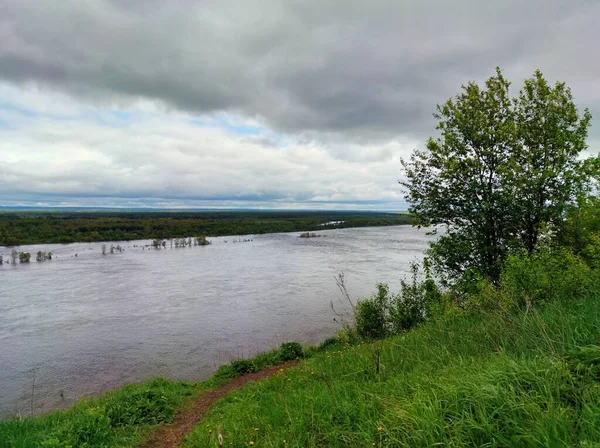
(84, 322)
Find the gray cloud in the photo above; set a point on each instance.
(352, 70)
(287, 103)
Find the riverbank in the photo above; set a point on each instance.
(476, 379)
(48, 227)
(125, 417)
(514, 378)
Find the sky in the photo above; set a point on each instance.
(257, 104)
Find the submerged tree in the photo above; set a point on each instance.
(201, 241)
(24, 257)
(43, 256)
(501, 172)
(14, 255)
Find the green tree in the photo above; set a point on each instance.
(546, 173)
(500, 172)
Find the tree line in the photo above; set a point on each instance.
(18, 228)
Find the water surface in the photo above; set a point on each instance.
(83, 324)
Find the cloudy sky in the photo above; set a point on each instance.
(304, 104)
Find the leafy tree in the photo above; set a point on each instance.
(501, 171)
(546, 173)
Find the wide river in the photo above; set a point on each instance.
(84, 323)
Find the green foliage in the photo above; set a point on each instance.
(290, 351)
(372, 314)
(545, 275)
(68, 227)
(24, 257)
(43, 256)
(120, 418)
(243, 366)
(383, 314)
(501, 173)
(202, 241)
(581, 230)
(499, 378)
(415, 302)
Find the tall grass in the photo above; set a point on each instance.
(493, 379)
(121, 418)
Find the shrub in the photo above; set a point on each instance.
(242, 366)
(290, 351)
(414, 302)
(329, 343)
(236, 368)
(546, 274)
(372, 314)
(591, 252)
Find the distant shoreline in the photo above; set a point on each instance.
(29, 227)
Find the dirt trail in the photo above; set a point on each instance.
(171, 435)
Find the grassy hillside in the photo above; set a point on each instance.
(119, 419)
(500, 379)
(123, 417)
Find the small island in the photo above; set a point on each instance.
(309, 235)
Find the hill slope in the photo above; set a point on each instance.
(469, 380)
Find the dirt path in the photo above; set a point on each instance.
(171, 435)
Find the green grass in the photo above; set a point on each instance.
(469, 380)
(123, 417)
(120, 418)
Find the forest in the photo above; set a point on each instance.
(41, 227)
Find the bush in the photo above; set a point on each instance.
(242, 366)
(545, 275)
(383, 314)
(415, 301)
(591, 252)
(372, 314)
(290, 351)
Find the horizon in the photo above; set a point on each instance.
(4, 208)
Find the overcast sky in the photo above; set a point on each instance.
(304, 104)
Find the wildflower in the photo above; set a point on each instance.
(251, 443)
(256, 429)
(380, 428)
(312, 373)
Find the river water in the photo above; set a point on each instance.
(84, 323)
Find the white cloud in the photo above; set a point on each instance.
(84, 152)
